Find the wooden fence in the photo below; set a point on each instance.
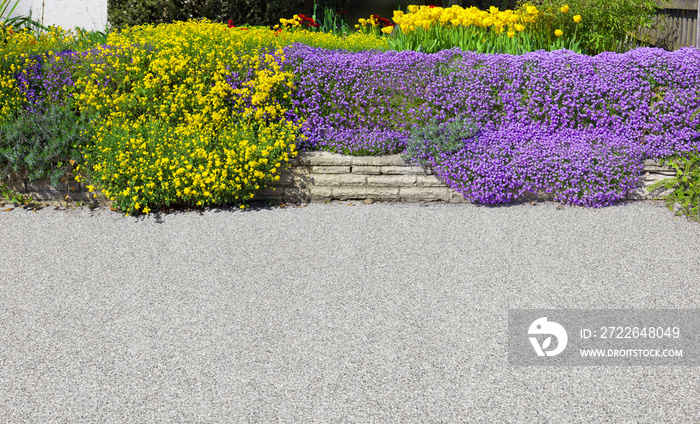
(678, 25)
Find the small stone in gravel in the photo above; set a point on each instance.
(368, 201)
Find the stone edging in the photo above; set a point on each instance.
(323, 176)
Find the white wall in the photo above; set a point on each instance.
(68, 14)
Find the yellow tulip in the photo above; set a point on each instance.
(577, 18)
(387, 29)
(511, 34)
(519, 27)
(558, 32)
(564, 8)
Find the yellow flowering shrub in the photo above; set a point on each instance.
(144, 166)
(189, 112)
(291, 32)
(356, 41)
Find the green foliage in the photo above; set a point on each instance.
(332, 16)
(606, 25)
(485, 4)
(332, 22)
(251, 12)
(429, 141)
(685, 185)
(121, 13)
(44, 144)
(85, 40)
(14, 197)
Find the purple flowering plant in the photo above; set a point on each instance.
(575, 126)
(45, 79)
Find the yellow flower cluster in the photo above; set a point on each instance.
(292, 32)
(295, 22)
(355, 41)
(171, 128)
(372, 21)
(178, 73)
(143, 166)
(425, 16)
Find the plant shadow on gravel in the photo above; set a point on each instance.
(181, 209)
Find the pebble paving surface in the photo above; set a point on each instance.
(341, 312)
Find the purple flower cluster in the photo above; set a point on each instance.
(44, 80)
(650, 94)
(573, 125)
(358, 103)
(590, 168)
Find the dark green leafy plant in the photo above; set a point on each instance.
(685, 185)
(14, 197)
(45, 144)
(88, 39)
(251, 12)
(617, 25)
(428, 141)
(121, 13)
(332, 22)
(332, 16)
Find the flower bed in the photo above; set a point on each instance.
(200, 113)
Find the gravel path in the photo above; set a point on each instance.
(330, 313)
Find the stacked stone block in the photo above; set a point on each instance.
(322, 176)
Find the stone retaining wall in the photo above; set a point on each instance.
(322, 176)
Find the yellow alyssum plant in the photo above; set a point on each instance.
(147, 166)
(355, 41)
(185, 113)
(290, 33)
